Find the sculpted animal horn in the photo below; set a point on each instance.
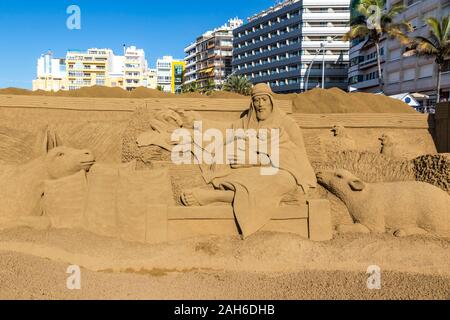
(51, 139)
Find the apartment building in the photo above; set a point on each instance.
(363, 74)
(208, 59)
(170, 74)
(287, 45)
(403, 73)
(190, 54)
(88, 68)
(51, 73)
(92, 67)
(134, 68)
(151, 79)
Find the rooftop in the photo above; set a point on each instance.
(275, 8)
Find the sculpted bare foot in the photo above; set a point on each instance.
(352, 228)
(193, 198)
(409, 232)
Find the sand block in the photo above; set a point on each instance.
(137, 191)
(219, 220)
(65, 199)
(101, 207)
(320, 227)
(156, 224)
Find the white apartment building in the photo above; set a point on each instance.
(95, 66)
(170, 73)
(135, 68)
(164, 73)
(286, 45)
(412, 74)
(51, 73)
(151, 79)
(191, 63)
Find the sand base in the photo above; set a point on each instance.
(268, 266)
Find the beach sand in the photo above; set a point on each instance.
(33, 265)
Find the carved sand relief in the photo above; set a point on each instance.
(373, 154)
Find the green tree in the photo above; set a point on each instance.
(238, 84)
(159, 88)
(374, 22)
(436, 46)
(208, 87)
(190, 87)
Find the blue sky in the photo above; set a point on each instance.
(29, 28)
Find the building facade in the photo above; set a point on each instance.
(208, 59)
(93, 67)
(402, 74)
(363, 74)
(89, 68)
(50, 73)
(135, 68)
(412, 74)
(287, 45)
(170, 74)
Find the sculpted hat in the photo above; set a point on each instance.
(262, 89)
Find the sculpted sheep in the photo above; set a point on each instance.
(23, 186)
(342, 139)
(406, 208)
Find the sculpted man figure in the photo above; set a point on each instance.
(252, 187)
(255, 196)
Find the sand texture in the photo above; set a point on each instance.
(315, 101)
(266, 266)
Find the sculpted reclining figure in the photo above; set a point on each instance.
(254, 193)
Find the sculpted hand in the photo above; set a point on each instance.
(238, 162)
(188, 118)
(169, 117)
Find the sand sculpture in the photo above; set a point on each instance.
(255, 197)
(24, 185)
(404, 208)
(341, 139)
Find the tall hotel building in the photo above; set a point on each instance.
(208, 59)
(281, 44)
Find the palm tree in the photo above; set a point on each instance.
(436, 46)
(374, 22)
(238, 84)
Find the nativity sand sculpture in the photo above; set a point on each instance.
(255, 196)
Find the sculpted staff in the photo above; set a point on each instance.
(255, 196)
(254, 193)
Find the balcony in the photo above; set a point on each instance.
(326, 16)
(324, 30)
(329, 45)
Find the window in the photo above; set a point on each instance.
(396, 54)
(426, 71)
(394, 77)
(409, 74)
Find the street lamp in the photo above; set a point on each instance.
(322, 48)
